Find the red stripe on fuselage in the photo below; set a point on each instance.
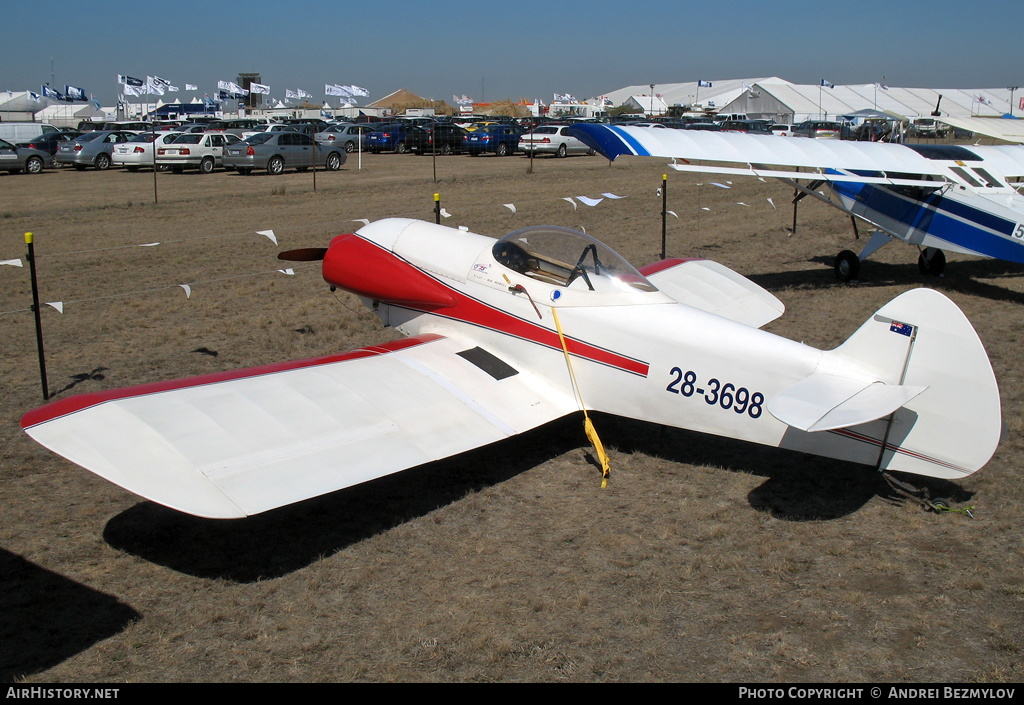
(79, 402)
(470, 310)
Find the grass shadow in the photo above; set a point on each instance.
(962, 277)
(49, 618)
(797, 486)
(278, 542)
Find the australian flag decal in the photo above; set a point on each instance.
(901, 328)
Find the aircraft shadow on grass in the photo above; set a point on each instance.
(49, 618)
(797, 487)
(283, 540)
(963, 277)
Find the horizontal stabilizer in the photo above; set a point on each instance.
(823, 402)
(714, 288)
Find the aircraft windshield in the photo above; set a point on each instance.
(563, 256)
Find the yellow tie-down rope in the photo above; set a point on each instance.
(588, 426)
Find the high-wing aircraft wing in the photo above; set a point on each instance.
(236, 444)
(938, 197)
(1008, 130)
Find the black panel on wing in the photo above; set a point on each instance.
(488, 363)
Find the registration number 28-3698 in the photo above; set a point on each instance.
(726, 396)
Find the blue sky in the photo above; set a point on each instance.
(526, 49)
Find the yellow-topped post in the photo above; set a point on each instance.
(437, 208)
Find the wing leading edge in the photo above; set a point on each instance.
(234, 445)
(838, 161)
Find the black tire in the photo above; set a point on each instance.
(333, 162)
(502, 150)
(102, 162)
(400, 147)
(132, 169)
(847, 266)
(561, 150)
(350, 147)
(446, 149)
(931, 261)
(206, 166)
(79, 167)
(275, 166)
(34, 165)
(244, 170)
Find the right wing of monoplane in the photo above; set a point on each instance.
(235, 444)
(775, 157)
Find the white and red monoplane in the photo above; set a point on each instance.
(506, 335)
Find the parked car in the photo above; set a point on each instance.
(275, 127)
(277, 151)
(48, 141)
(782, 130)
(107, 125)
(137, 153)
(706, 126)
(750, 127)
(820, 129)
(440, 138)
(15, 132)
(18, 159)
(239, 126)
(93, 149)
(502, 140)
(191, 150)
(351, 137)
(927, 127)
(552, 139)
(391, 137)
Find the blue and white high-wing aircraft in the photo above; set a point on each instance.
(937, 197)
(507, 334)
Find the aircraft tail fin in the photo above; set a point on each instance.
(926, 401)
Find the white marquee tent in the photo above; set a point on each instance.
(779, 99)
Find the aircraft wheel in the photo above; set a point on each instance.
(931, 261)
(847, 266)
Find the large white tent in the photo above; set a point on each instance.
(782, 100)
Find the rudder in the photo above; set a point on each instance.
(922, 339)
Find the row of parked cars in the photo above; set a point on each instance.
(199, 146)
(249, 144)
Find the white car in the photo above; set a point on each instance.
(271, 127)
(782, 130)
(196, 150)
(552, 139)
(137, 153)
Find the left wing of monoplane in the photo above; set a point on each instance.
(234, 444)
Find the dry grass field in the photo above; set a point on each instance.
(703, 560)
